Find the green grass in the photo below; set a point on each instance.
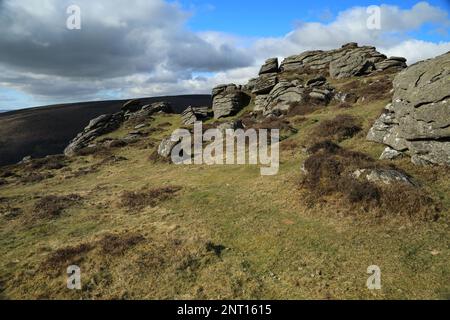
(276, 247)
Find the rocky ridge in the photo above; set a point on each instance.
(132, 110)
(416, 122)
(278, 87)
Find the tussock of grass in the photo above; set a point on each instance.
(340, 128)
(305, 107)
(151, 197)
(64, 257)
(50, 207)
(113, 244)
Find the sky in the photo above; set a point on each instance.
(139, 48)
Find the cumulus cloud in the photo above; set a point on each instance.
(143, 48)
(118, 40)
(351, 26)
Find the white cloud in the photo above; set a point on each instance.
(143, 48)
(417, 50)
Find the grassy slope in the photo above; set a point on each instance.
(275, 246)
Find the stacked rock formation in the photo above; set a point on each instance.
(228, 100)
(417, 122)
(277, 88)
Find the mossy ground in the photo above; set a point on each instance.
(272, 244)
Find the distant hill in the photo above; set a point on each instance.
(47, 130)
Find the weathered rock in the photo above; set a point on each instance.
(315, 60)
(147, 111)
(320, 94)
(140, 126)
(390, 154)
(188, 116)
(348, 61)
(96, 127)
(384, 176)
(250, 85)
(270, 66)
(166, 146)
(345, 97)
(316, 81)
(228, 100)
(265, 83)
(418, 120)
(260, 102)
(282, 96)
(350, 65)
(132, 105)
(392, 62)
(193, 114)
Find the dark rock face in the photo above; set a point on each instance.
(228, 100)
(418, 119)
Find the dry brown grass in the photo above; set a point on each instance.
(151, 197)
(329, 173)
(113, 244)
(307, 106)
(371, 90)
(6, 173)
(48, 163)
(340, 128)
(50, 207)
(289, 145)
(344, 105)
(98, 151)
(155, 157)
(36, 177)
(64, 257)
